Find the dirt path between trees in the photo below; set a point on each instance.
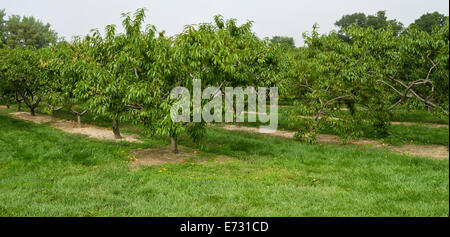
(72, 127)
(428, 125)
(421, 124)
(430, 151)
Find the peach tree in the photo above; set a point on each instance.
(421, 76)
(221, 54)
(115, 64)
(23, 76)
(377, 71)
(65, 65)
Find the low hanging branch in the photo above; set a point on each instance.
(218, 91)
(134, 107)
(408, 89)
(18, 100)
(78, 114)
(32, 106)
(55, 108)
(330, 102)
(308, 87)
(136, 72)
(425, 101)
(392, 87)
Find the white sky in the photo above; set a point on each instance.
(276, 17)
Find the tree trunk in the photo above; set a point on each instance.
(116, 129)
(19, 104)
(173, 140)
(7, 106)
(80, 125)
(31, 105)
(238, 124)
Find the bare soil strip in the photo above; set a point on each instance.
(430, 151)
(393, 123)
(421, 124)
(164, 155)
(72, 127)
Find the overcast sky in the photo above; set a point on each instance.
(271, 17)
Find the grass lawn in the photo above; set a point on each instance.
(46, 172)
(403, 115)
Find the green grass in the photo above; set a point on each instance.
(416, 116)
(402, 134)
(45, 172)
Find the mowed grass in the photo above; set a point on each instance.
(46, 172)
(417, 116)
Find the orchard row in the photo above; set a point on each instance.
(129, 76)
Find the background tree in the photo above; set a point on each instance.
(427, 21)
(360, 19)
(377, 21)
(28, 31)
(284, 41)
(2, 26)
